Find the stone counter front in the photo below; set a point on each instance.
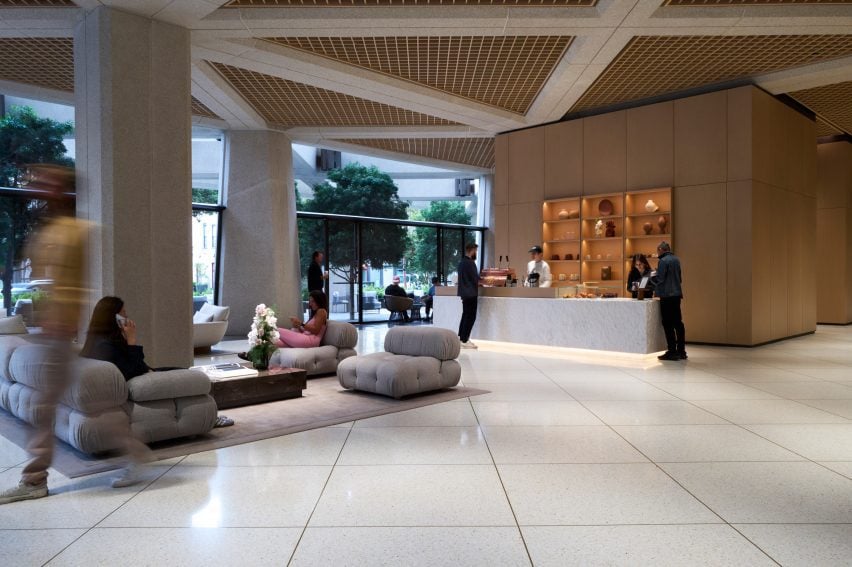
(616, 325)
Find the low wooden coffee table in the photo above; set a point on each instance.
(268, 386)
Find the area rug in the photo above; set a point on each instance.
(323, 403)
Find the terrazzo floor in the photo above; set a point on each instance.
(735, 457)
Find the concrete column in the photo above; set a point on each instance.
(260, 251)
(132, 91)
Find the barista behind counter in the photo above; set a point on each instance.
(538, 271)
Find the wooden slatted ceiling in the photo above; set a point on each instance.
(288, 103)
(507, 72)
(45, 62)
(654, 65)
(833, 102)
(750, 2)
(478, 152)
(350, 3)
(200, 109)
(37, 4)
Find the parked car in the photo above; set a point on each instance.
(29, 287)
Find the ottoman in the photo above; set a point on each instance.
(416, 360)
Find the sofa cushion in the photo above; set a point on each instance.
(340, 335)
(168, 384)
(97, 386)
(442, 344)
(219, 313)
(13, 325)
(200, 317)
(8, 344)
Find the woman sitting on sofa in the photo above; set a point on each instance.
(304, 335)
(112, 337)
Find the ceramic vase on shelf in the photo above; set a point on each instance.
(647, 227)
(651, 206)
(563, 214)
(662, 222)
(606, 273)
(610, 229)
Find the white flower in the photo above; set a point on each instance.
(260, 309)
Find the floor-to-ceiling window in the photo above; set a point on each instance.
(207, 166)
(364, 254)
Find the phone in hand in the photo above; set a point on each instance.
(121, 321)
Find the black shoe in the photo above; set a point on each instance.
(682, 355)
(669, 356)
(243, 355)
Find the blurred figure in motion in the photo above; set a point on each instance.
(58, 253)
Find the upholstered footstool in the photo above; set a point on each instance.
(416, 360)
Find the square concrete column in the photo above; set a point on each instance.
(133, 129)
(260, 251)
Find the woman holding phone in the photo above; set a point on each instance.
(640, 269)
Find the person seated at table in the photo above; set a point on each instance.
(111, 337)
(640, 269)
(306, 335)
(396, 289)
(430, 297)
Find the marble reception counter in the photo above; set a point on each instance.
(616, 325)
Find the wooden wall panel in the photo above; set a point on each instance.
(700, 241)
(809, 282)
(834, 177)
(780, 126)
(762, 249)
(809, 164)
(700, 126)
(650, 146)
(761, 121)
(831, 230)
(524, 232)
(739, 262)
(796, 260)
(780, 258)
(605, 153)
(501, 233)
(849, 264)
(563, 166)
(501, 170)
(739, 133)
(526, 166)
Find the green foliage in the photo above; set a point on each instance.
(361, 191)
(423, 259)
(25, 139)
(205, 196)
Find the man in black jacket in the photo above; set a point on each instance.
(668, 289)
(468, 291)
(396, 289)
(315, 275)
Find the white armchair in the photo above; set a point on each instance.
(209, 325)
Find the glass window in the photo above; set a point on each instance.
(203, 256)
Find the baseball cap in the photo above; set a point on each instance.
(536, 249)
(396, 279)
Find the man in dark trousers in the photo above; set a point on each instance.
(668, 289)
(315, 275)
(468, 291)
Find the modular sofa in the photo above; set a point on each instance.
(337, 343)
(158, 405)
(416, 360)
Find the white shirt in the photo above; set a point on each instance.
(542, 269)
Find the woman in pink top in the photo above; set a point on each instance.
(309, 334)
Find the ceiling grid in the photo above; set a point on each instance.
(502, 71)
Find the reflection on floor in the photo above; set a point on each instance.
(737, 456)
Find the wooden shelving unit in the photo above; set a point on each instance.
(590, 254)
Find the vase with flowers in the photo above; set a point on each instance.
(262, 337)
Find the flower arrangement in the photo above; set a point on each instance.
(262, 337)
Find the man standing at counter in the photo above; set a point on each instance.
(538, 266)
(668, 289)
(468, 291)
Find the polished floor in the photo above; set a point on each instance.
(736, 457)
